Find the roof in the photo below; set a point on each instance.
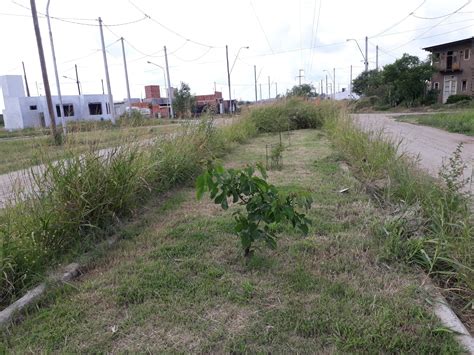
(439, 46)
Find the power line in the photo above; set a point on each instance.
(168, 28)
(261, 27)
(441, 16)
(399, 22)
(195, 59)
(316, 35)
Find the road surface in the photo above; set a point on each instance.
(432, 145)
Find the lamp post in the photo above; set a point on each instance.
(231, 108)
(164, 79)
(366, 62)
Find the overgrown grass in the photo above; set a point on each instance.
(431, 224)
(74, 202)
(456, 122)
(290, 114)
(177, 282)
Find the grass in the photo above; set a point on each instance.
(456, 122)
(73, 203)
(25, 152)
(431, 223)
(177, 281)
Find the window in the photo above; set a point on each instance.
(464, 85)
(436, 86)
(33, 107)
(68, 110)
(467, 53)
(95, 108)
(436, 57)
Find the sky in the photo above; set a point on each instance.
(286, 39)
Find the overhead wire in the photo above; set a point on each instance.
(316, 36)
(441, 16)
(261, 27)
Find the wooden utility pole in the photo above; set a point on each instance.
(255, 80)
(44, 72)
(126, 73)
(269, 88)
(228, 78)
(77, 81)
(170, 89)
(26, 80)
(107, 77)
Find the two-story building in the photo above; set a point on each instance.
(454, 64)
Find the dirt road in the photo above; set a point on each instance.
(432, 145)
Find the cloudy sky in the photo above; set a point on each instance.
(283, 37)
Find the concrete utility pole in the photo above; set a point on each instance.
(334, 83)
(261, 98)
(269, 87)
(26, 80)
(366, 53)
(300, 76)
(61, 107)
(276, 90)
(377, 57)
(327, 92)
(77, 81)
(170, 89)
(350, 83)
(107, 78)
(228, 78)
(255, 81)
(44, 72)
(322, 92)
(102, 82)
(126, 72)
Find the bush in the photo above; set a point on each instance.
(457, 98)
(290, 114)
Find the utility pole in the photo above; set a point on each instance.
(228, 78)
(261, 98)
(276, 90)
(350, 83)
(377, 57)
(269, 86)
(102, 82)
(300, 76)
(61, 107)
(170, 90)
(322, 92)
(334, 83)
(126, 72)
(26, 80)
(255, 81)
(366, 53)
(327, 92)
(107, 78)
(77, 81)
(215, 87)
(44, 72)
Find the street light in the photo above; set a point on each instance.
(366, 63)
(166, 87)
(79, 85)
(231, 108)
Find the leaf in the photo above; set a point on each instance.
(200, 186)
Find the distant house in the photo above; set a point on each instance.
(454, 64)
(22, 111)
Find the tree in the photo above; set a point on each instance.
(184, 102)
(368, 83)
(303, 90)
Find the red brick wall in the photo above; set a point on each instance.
(152, 92)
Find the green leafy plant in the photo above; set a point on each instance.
(265, 208)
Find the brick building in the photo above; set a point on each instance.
(158, 105)
(454, 64)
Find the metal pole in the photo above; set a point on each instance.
(26, 80)
(61, 107)
(228, 78)
(377, 57)
(77, 81)
(366, 53)
(44, 73)
(107, 78)
(170, 90)
(126, 72)
(255, 81)
(269, 86)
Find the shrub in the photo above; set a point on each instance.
(265, 208)
(289, 114)
(457, 98)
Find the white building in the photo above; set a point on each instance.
(23, 112)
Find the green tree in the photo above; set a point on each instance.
(303, 90)
(184, 103)
(368, 83)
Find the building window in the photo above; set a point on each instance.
(95, 108)
(467, 53)
(464, 85)
(436, 57)
(33, 107)
(68, 110)
(436, 85)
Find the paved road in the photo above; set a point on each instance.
(432, 145)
